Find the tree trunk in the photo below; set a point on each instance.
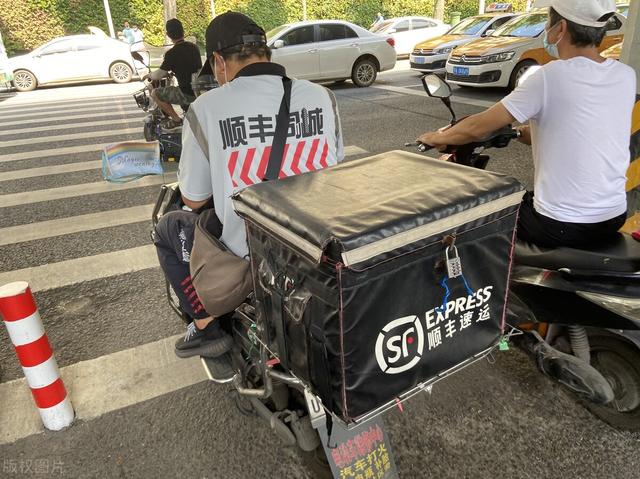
(439, 10)
(170, 9)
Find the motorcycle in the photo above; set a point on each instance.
(154, 130)
(576, 312)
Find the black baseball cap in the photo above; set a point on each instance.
(232, 29)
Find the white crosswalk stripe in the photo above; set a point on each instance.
(72, 136)
(126, 377)
(89, 109)
(69, 126)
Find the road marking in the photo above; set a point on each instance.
(72, 136)
(353, 150)
(64, 103)
(454, 98)
(87, 109)
(105, 103)
(50, 170)
(38, 129)
(88, 268)
(67, 150)
(74, 117)
(83, 189)
(75, 224)
(102, 385)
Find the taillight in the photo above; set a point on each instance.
(391, 42)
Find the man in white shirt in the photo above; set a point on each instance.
(579, 112)
(226, 143)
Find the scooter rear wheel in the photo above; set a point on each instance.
(619, 362)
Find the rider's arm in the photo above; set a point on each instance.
(523, 104)
(473, 128)
(194, 171)
(158, 74)
(525, 134)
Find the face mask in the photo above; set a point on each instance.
(551, 48)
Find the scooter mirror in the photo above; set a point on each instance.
(435, 86)
(137, 56)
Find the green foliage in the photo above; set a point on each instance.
(26, 24)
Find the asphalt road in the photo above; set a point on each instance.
(490, 420)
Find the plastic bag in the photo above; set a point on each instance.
(131, 160)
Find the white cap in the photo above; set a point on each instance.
(583, 12)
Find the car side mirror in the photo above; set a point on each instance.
(489, 32)
(435, 86)
(278, 44)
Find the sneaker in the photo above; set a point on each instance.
(171, 124)
(219, 369)
(202, 343)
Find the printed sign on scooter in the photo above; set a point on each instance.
(401, 343)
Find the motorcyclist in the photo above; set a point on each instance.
(225, 130)
(183, 60)
(579, 112)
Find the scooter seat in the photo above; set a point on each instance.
(620, 255)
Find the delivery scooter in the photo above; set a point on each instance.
(576, 312)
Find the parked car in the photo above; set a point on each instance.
(74, 58)
(408, 31)
(500, 59)
(431, 55)
(6, 76)
(326, 50)
(613, 52)
(623, 9)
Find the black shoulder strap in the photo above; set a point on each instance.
(280, 136)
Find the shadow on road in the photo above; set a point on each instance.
(6, 93)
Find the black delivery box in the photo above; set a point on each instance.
(350, 272)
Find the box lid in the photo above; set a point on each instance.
(375, 205)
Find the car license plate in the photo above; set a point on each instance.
(462, 71)
(419, 59)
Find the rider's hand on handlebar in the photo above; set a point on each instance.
(525, 134)
(433, 138)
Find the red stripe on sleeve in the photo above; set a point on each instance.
(246, 167)
(34, 353)
(18, 307)
(296, 158)
(323, 157)
(233, 161)
(312, 155)
(50, 395)
(264, 161)
(283, 174)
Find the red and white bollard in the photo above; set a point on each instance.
(20, 314)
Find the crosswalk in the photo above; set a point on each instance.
(54, 145)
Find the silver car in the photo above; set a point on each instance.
(326, 50)
(74, 58)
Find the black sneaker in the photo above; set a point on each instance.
(219, 369)
(202, 343)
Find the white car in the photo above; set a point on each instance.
(326, 50)
(74, 58)
(409, 31)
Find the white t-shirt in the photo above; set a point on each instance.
(228, 133)
(580, 116)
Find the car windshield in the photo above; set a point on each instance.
(275, 31)
(624, 10)
(470, 26)
(382, 26)
(525, 26)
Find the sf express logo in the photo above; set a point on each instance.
(400, 345)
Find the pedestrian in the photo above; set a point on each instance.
(138, 39)
(379, 20)
(128, 33)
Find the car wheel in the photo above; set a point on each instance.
(24, 80)
(519, 71)
(364, 72)
(120, 72)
